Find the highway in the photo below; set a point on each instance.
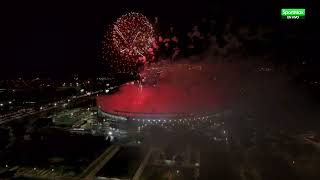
(50, 106)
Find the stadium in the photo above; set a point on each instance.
(182, 97)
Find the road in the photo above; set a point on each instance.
(145, 161)
(97, 164)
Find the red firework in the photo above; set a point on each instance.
(128, 42)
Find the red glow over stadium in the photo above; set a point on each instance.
(181, 89)
(165, 99)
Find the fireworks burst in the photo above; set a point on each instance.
(127, 43)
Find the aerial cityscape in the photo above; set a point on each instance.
(160, 90)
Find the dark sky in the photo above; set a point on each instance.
(64, 37)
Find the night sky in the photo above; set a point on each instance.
(63, 38)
